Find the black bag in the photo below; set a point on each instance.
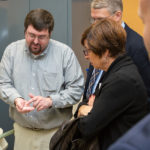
(68, 137)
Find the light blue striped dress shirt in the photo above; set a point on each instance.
(55, 73)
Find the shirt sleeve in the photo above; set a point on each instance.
(7, 91)
(115, 97)
(73, 83)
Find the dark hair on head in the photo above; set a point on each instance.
(40, 19)
(105, 34)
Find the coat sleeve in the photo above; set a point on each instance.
(115, 97)
(137, 137)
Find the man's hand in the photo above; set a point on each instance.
(40, 102)
(22, 106)
(84, 110)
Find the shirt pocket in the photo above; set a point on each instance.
(50, 83)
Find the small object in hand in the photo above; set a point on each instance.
(28, 108)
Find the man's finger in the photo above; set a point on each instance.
(30, 101)
(31, 95)
(27, 109)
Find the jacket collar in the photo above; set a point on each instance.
(119, 62)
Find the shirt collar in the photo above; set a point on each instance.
(123, 24)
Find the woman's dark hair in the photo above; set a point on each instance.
(105, 34)
(40, 19)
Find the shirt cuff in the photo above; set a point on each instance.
(55, 101)
(12, 99)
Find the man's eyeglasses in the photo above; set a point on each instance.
(93, 20)
(86, 52)
(40, 37)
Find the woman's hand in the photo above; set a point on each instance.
(91, 100)
(84, 110)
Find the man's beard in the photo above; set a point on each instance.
(35, 48)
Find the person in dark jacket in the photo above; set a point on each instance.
(120, 100)
(135, 48)
(138, 138)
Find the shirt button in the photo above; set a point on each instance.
(33, 74)
(32, 88)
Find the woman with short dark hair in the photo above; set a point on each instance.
(120, 100)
